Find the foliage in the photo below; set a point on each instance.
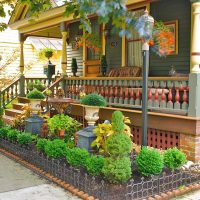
(149, 162)
(119, 145)
(102, 133)
(35, 94)
(1, 114)
(118, 122)
(36, 84)
(93, 99)
(24, 138)
(174, 158)
(56, 148)
(117, 170)
(45, 53)
(41, 143)
(74, 66)
(34, 138)
(77, 157)
(4, 131)
(94, 164)
(12, 135)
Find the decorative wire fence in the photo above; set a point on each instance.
(95, 186)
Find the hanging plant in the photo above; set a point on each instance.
(45, 53)
(163, 40)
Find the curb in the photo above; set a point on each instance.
(59, 182)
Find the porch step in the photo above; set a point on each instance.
(23, 100)
(12, 112)
(8, 120)
(18, 106)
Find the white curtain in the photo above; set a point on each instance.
(134, 46)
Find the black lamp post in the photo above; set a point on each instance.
(146, 34)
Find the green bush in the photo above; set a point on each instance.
(118, 122)
(94, 164)
(93, 99)
(24, 138)
(119, 145)
(41, 143)
(77, 157)
(34, 138)
(174, 158)
(56, 148)
(4, 131)
(12, 135)
(35, 94)
(149, 162)
(1, 121)
(117, 170)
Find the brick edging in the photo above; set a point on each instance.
(85, 196)
(63, 184)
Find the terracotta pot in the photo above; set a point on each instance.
(91, 114)
(61, 133)
(35, 105)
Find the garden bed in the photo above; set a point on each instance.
(136, 188)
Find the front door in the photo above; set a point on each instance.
(92, 63)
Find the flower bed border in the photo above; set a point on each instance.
(7, 149)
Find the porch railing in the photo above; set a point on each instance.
(165, 94)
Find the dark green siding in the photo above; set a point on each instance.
(169, 10)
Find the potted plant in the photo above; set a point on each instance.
(104, 65)
(74, 66)
(59, 124)
(92, 102)
(35, 97)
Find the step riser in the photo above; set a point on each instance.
(8, 121)
(23, 100)
(18, 107)
(11, 113)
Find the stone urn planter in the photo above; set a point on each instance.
(35, 105)
(92, 102)
(91, 114)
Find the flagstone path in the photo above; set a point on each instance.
(20, 183)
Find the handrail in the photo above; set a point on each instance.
(185, 78)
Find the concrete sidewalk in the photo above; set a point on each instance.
(20, 183)
(189, 196)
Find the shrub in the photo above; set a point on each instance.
(118, 122)
(77, 157)
(55, 149)
(94, 164)
(34, 138)
(41, 143)
(93, 99)
(119, 145)
(4, 131)
(149, 162)
(12, 135)
(117, 170)
(174, 158)
(35, 94)
(24, 138)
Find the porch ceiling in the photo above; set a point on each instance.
(51, 32)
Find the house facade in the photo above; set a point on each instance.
(174, 93)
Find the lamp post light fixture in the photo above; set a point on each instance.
(146, 34)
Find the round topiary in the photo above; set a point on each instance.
(56, 148)
(77, 157)
(35, 94)
(174, 158)
(119, 145)
(149, 162)
(117, 170)
(94, 164)
(93, 99)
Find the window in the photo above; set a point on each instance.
(134, 45)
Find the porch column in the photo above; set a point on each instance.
(65, 35)
(195, 46)
(21, 66)
(194, 77)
